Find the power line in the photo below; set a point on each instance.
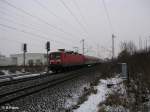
(77, 6)
(6, 14)
(23, 25)
(111, 27)
(80, 12)
(36, 27)
(11, 21)
(23, 31)
(107, 15)
(14, 28)
(20, 42)
(30, 33)
(36, 17)
(51, 13)
(77, 20)
(16, 41)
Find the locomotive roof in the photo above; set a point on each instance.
(68, 52)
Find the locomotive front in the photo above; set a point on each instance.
(55, 60)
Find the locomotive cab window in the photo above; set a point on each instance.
(55, 55)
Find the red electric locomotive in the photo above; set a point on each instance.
(62, 60)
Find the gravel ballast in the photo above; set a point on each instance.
(56, 98)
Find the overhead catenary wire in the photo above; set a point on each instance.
(18, 15)
(5, 13)
(23, 11)
(82, 16)
(42, 22)
(108, 16)
(58, 17)
(69, 43)
(16, 41)
(80, 12)
(23, 31)
(36, 17)
(33, 34)
(35, 29)
(32, 44)
(76, 19)
(111, 27)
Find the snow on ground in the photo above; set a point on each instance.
(93, 100)
(7, 72)
(91, 105)
(116, 109)
(74, 98)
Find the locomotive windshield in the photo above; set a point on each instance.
(55, 55)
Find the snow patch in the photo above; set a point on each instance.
(93, 100)
(116, 109)
(102, 91)
(74, 98)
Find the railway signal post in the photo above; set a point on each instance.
(24, 55)
(48, 49)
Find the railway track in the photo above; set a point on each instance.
(14, 80)
(25, 91)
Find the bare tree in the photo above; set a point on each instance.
(129, 47)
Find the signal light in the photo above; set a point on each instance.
(24, 47)
(48, 46)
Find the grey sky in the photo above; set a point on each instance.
(130, 19)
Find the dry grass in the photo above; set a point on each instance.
(114, 99)
(86, 92)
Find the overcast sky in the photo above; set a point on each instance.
(65, 22)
